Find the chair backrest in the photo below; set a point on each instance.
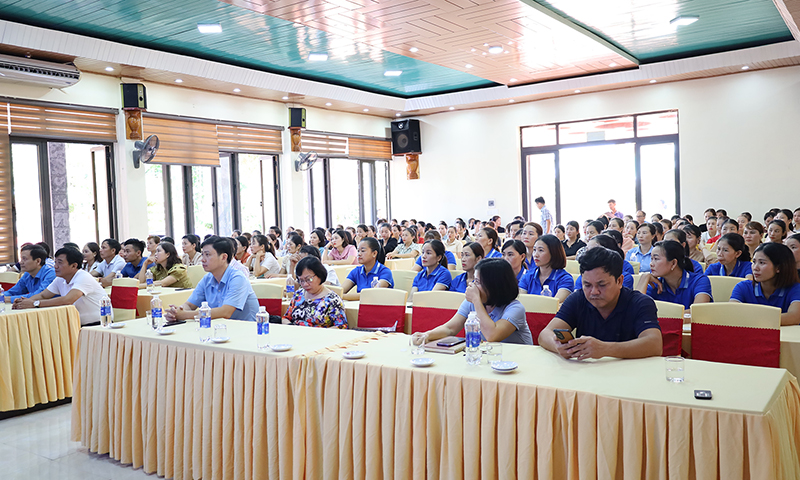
(342, 271)
(539, 311)
(335, 289)
(740, 333)
(434, 308)
(403, 279)
(702, 265)
(195, 274)
(575, 277)
(8, 279)
(573, 267)
(280, 281)
(270, 296)
(382, 309)
(636, 266)
(636, 277)
(399, 263)
(122, 314)
(670, 319)
(722, 287)
(124, 293)
(455, 273)
(459, 266)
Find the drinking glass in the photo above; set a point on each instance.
(492, 352)
(674, 366)
(220, 331)
(417, 343)
(150, 323)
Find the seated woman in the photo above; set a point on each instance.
(191, 255)
(408, 248)
(572, 243)
(643, 252)
(452, 242)
(370, 273)
(659, 231)
(549, 261)
(91, 256)
(317, 239)
(339, 250)
(488, 239)
(711, 235)
(514, 254)
(793, 242)
(531, 232)
(434, 274)
(591, 229)
(314, 305)
(560, 232)
(776, 231)
(753, 235)
(449, 257)
(671, 278)
(629, 236)
(305, 251)
(470, 256)
(774, 283)
(494, 298)
(696, 252)
(680, 237)
(152, 244)
(607, 240)
(729, 226)
(242, 249)
(361, 233)
(262, 261)
(293, 245)
(168, 271)
(733, 256)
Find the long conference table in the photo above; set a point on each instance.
(184, 409)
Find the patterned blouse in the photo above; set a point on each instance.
(324, 312)
(401, 248)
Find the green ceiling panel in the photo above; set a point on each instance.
(249, 39)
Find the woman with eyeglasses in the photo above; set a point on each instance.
(314, 305)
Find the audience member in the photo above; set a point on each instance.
(733, 257)
(314, 305)
(91, 257)
(112, 263)
(549, 260)
(369, 274)
(191, 255)
(672, 279)
(470, 256)
(132, 250)
(339, 250)
(168, 271)
(434, 274)
(36, 276)
(775, 282)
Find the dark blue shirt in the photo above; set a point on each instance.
(459, 284)
(750, 292)
(363, 280)
(451, 259)
(692, 284)
(494, 254)
(633, 314)
(27, 286)
(558, 279)
(741, 270)
(130, 270)
(425, 282)
(627, 276)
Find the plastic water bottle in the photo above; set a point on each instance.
(375, 282)
(289, 290)
(205, 322)
(149, 281)
(2, 300)
(262, 325)
(156, 313)
(473, 329)
(106, 312)
(546, 291)
(118, 275)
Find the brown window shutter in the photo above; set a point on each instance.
(183, 142)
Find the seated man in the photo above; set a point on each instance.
(112, 263)
(75, 285)
(226, 289)
(611, 320)
(132, 253)
(36, 277)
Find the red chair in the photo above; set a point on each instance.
(539, 311)
(432, 309)
(739, 333)
(269, 296)
(382, 309)
(8, 279)
(670, 319)
(124, 294)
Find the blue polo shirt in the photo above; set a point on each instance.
(459, 284)
(749, 291)
(514, 313)
(522, 272)
(425, 282)
(233, 289)
(634, 313)
(627, 276)
(130, 270)
(363, 280)
(451, 259)
(27, 286)
(636, 255)
(741, 270)
(557, 280)
(494, 254)
(692, 284)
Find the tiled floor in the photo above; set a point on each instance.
(37, 446)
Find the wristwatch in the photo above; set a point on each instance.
(36, 303)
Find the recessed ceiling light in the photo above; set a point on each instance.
(237, 90)
(317, 57)
(413, 49)
(392, 73)
(328, 104)
(653, 81)
(484, 53)
(209, 27)
(396, 114)
(684, 20)
(366, 109)
(109, 69)
(510, 42)
(472, 50)
(612, 64)
(452, 108)
(511, 101)
(496, 49)
(577, 91)
(505, 51)
(178, 80)
(745, 67)
(513, 80)
(285, 98)
(469, 65)
(485, 44)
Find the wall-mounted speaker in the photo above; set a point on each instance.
(297, 118)
(134, 95)
(406, 137)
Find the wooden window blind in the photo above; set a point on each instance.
(233, 138)
(370, 148)
(7, 251)
(324, 144)
(58, 122)
(183, 142)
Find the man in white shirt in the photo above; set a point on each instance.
(112, 263)
(76, 287)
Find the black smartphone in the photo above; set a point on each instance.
(702, 394)
(448, 342)
(563, 335)
(176, 322)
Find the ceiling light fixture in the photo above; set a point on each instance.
(469, 65)
(496, 49)
(392, 73)
(511, 101)
(452, 108)
(317, 57)
(328, 104)
(109, 69)
(745, 67)
(684, 20)
(653, 81)
(472, 50)
(485, 44)
(237, 90)
(285, 98)
(178, 80)
(366, 109)
(413, 49)
(513, 80)
(396, 114)
(209, 27)
(612, 64)
(577, 91)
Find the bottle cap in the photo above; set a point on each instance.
(204, 305)
(262, 309)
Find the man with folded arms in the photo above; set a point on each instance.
(36, 277)
(611, 320)
(112, 263)
(75, 285)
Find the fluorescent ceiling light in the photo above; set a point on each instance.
(317, 57)
(684, 20)
(511, 101)
(496, 49)
(237, 90)
(392, 73)
(413, 49)
(209, 27)
(396, 114)
(178, 80)
(109, 69)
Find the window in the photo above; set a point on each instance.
(27, 193)
(203, 201)
(222, 200)
(177, 201)
(344, 175)
(154, 192)
(259, 191)
(381, 190)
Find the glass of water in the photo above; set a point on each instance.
(417, 343)
(674, 367)
(220, 332)
(492, 352)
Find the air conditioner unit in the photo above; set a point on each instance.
(36, 72)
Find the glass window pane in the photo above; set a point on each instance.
(178, 208)
(27, 197)
(154, 193)
(250, 192)
(317, 173)
(542, 135)
(664, 123)
(101, 186)
(270, 190)
(542, 183)
(590, 176)
(203, 201)
(367, 199)
(224, 211)
(595, 130)
(382, 190)
(344, 191)
(658, 179)
(80, 192)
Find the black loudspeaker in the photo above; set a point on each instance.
(405, 137)
(297, 118)
(134, 95)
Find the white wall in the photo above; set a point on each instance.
(738, 146)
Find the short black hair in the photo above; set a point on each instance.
(112, 243)
(47, 250)
(539, 200)
(168, 240)
(73, 255)
(37, 253)
(598, 225)
(220, 245)
(311, 250)
(313, 264)
(73, 245)
(498, 281)
(601, 257)
(194, 240)
(782, 258)
(675, 251)
(135, 243)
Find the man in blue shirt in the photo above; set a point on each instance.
(611, 320)
(36, 277)
(132, 251)
(226, 289)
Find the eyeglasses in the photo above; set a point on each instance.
(306, 280)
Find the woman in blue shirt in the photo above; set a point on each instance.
(774, 283)
(514, 254)
(608, 240)
(641, 254)
(549, 259)
(434, 274)
(733, 257)
(680, 236)
(671, 277)
(531, 232)
(368, 272)
(471, 254)
(488, 239)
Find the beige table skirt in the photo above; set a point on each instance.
(37, 348)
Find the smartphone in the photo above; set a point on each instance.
(448, 342)
(702, 394)
(563, 335)
(176, 322)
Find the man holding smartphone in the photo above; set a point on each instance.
(611, 320)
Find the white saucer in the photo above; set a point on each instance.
(422, 361)
(166, 331)
(220, 340)
(280, 347)
(504, 367)
(353, 354)
(116, 325)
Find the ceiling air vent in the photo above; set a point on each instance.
(36, 72)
